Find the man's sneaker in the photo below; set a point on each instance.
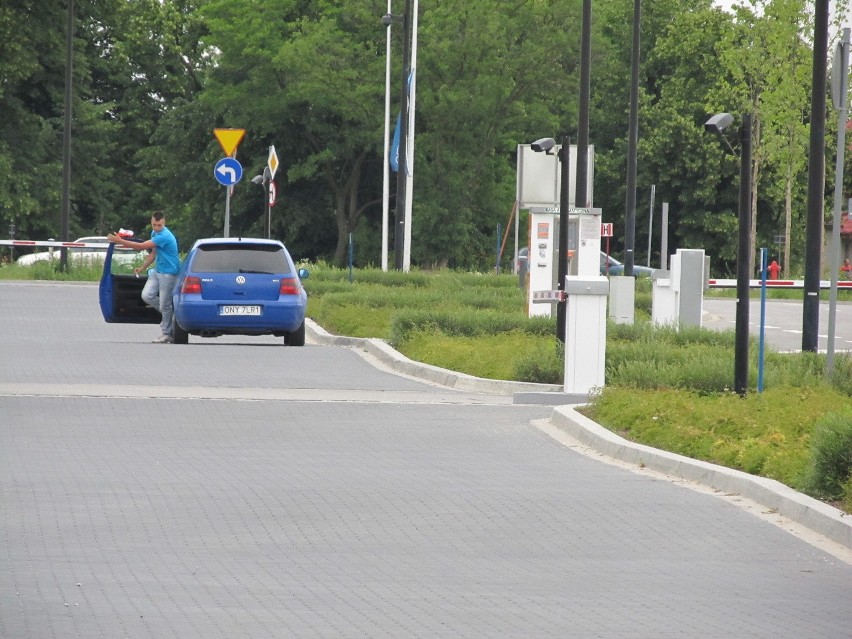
(163, 339)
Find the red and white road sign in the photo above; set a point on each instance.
(273, 193)
(606, 229)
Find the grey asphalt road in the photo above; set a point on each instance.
(782, 323)
(238, 488)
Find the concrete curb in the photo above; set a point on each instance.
(809, 512)
(806, 511)
(397, 361)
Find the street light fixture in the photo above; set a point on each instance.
(717, 125)
(264, 181)
(546, 145)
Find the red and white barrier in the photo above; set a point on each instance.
(31, 243)
(713, 283)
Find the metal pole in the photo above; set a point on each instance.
(762, 341)
(66, 138)
(401, 174)
(664, 238)
(409, 148)
(632, 145)
(651, 222)
(227, 211)
(517, 232)
(816, 182)
(743, 269)
(350, 257)
(497, 252)
(581, 198)
(386, 158)
(562, 262)
(841, 67)
(268, 209)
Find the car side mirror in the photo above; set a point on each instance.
(304, 274)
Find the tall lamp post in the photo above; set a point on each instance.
(581, 198)
(401, 174)
(387, 20)
(816, 181)
(632, 147)
(66, 137)
(717, 125)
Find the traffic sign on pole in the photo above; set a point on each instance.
(228, 171)
(272, 163)
(229, 139)
(273, 193)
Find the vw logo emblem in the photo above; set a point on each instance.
(241, 280)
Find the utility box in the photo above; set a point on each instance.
(690, 286)
(678, 297)
(622, 299)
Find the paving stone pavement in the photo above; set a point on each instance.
(237, 488)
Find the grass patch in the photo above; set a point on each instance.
(49, 270)
(491, 356)
(765, 434)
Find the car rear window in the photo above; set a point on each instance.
(246, 258)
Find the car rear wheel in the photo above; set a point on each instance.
(180, 336)
(297, 337)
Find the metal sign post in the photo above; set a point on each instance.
(839, 87)
(227, 170)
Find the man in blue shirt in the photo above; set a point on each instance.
(161, 280)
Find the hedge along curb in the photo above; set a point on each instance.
(382, 351)
(809, 512)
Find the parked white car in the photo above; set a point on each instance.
(83, 254)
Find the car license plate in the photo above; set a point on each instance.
(239, 310)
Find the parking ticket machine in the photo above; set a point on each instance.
(584, 246)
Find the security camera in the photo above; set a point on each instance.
(544, 144)
(387, 19)
(718, 123)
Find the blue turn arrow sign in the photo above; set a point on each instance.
(228, 171)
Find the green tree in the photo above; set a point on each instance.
(492, 74)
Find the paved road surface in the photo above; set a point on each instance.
(783, 323)
(238, 488)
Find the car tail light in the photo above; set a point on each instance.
(289, 286)
(191, 285)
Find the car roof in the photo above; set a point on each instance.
(236, 241)
(93, 239)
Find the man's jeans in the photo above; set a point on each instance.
(158, 293)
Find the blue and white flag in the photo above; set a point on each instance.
(394, 150)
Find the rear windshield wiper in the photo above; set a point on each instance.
(243, 270)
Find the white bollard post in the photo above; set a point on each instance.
(585, 333)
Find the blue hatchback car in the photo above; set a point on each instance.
(241, 286)
(226, 286)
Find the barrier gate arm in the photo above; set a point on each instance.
(715, 283)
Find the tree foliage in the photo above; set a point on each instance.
(153, 78)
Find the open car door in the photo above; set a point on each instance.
(120, 296)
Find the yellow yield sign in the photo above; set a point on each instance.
(229, 139)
